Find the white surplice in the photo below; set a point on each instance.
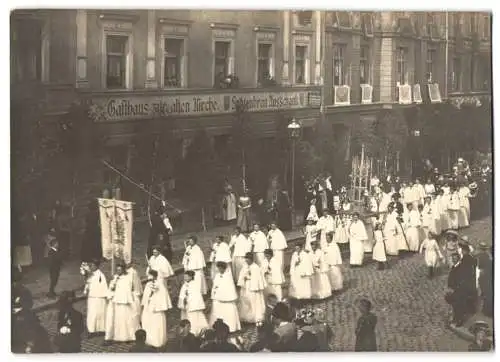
(96, 290)
(301, 272)
(311, 235)
(277, 242)
(357, 236)
(252, 304)
(379, 247)
(464, 212)
(333, 258)
(194, 260)
(192, 306)
(413, 225)
(392, 233)
(320, 283)
(137, 290)
(220, 253)
(224, 299)
(274, 276)
(154, 318)
(165, 271)
(259, 242)
(120, 322)
(240, 245)
(313, 213)
(326, 225)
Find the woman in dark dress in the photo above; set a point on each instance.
(366, 340)
(284, 211)
(70, 325)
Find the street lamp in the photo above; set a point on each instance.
(416, 145)
(294, 129)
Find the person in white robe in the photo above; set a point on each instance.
(96, 290)
(229, 204)
(259, 244)
(313, 212)
(277, 243)
(251, 304)
(442, 205)
(357, 236)
(429, 188)
(273, 275)
(240, 246)
(326, 224)
(137, 288)
(333, 258)
(453, 209)
(341, 225)
(320, 283)
(379, 254)
(428, 217)
(159, 263)
(432, 253)
(154, 318)
(464, 212)
(435, 207)
(301, 272)
(311, 233)
(419, 191)
(194, 260)
(220, 252)
(120, 323)
(224, 299)
(390, 231)
(191, 304)
(413, 224)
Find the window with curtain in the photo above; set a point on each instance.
(402, 65)
(429, 64)
(222, 54)
(364, 65)
(264, 56)
(172, 66)
(300, 64)
(339, 71)
(456, 75)
(116, 55)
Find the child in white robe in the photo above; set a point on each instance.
(432, 253)
(313, 212)
(252, 304)
(357, 237)
(453, 209)
(159, 263)
(390, 232)
(325, 225)
(240, 246)
(333, 259)
(120, 323)
(412, 232)
(311, 233)
(277, 242)
(379, 248)
(191, 304)
(96, 290)
(442, 204)
(154, 318)
(464, 212)
(341, 226)
(224, 298)
(194, 260)
(259, 244)
(220, 252)
(320, 284)
(301, 272)
(273, 274)
(137, 288)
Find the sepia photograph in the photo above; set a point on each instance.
(221, 180)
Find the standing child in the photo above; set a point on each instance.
(313, 212)
(366, 340)
(224, 298)
(259, 243)
(341, 226)
(194, 260)
(301, 272)
(379, 248)
(240, 246)
(320, 284)
(333, 258)
(252, 304)
(191, 303)
(432, 253)
(273, 274)
(311, 233)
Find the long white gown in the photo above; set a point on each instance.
(194, 260)
(192, 306)
(311, 235)
(333, 258)
(464, 212)
(224, 298)
(325, 225)
(96, 289)
(278, 244)
(154, 318)
(252, 305)
(453, 210)
(260, 243)
(240, 245)
(357, 235)
(301, 272)
(379, 247)
(274, 276)
(220, 253)
(412, 230)
(120, 322)
(229, 209)
(137, 291)
(320, 283)
(165, 271)
(391, 234)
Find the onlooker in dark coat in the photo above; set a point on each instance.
(485, 266)
(140, 345)
(284, 328)
(70, 325)
(188, 342)
(366, 340)
(457, 298)
(55, 260)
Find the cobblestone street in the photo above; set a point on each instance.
(410, 308)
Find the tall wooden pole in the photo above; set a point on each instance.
(293, 180)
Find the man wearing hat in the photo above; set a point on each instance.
(457, 297)
(485, 277)
(469, 275)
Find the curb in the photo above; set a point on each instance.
(79, 297)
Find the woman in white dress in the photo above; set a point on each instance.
(277, 242)
(464, 212)
(357, 237)
(137, 287)
(273, 274)
(159, 263)
(390, 232)
(120, 323)
(333, 258)
(341, 226)
(442, 204)
(220, 252)
(379, 254)
(194, 260)
(311, 233)
(432, 253)
(325, 225)
(313, 212)
(224, 298)
(252, 304)
(301, 272)
(413, 224)
(320, 284)
(154, 318)
(240, 246)
(259, 243)
(96, 290)
(453, 208)
(191, 304)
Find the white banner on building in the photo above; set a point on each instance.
(116, 229)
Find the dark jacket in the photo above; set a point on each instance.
(287, 336)
(73, 319)
(365, 333)
(142, 348)
(220, 347)
(26, 327)
(189, 344)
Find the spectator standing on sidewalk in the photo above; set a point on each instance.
(365, 331)
(55, 260)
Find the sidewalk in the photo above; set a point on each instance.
(37, 279)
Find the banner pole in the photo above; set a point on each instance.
(113, 266)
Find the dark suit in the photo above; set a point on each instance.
(55, 263)
(70, 343)
(365, 333)
(287, 336)
(457, 282)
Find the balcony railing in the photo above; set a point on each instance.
(342, 95)
(404, 94)
(366, 93)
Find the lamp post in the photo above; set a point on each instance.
(416, 143)
(294, 132)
